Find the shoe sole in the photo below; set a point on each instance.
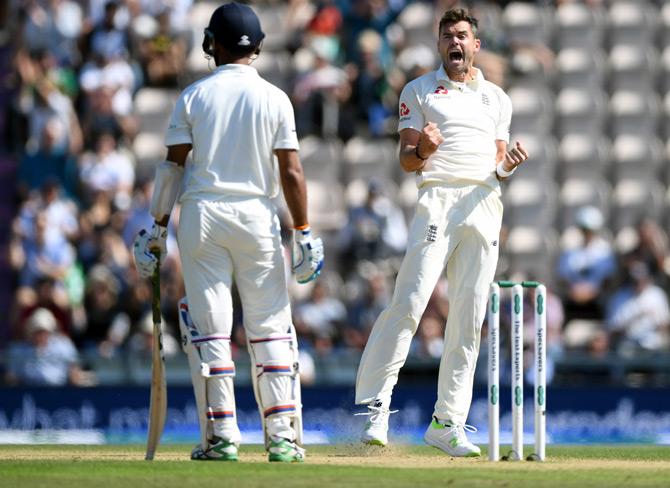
(229, 459)
(441, 448)
(279, 458)
(373, 442)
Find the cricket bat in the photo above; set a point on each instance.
(158, 401)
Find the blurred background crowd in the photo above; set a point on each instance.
(87, 87)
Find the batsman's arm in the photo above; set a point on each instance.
(293, 184)
(167, 183)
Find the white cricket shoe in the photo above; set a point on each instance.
(375, 430)
(217, 450)
(284, 451)
(451, 438)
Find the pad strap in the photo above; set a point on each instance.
(283, 408)
(215, 369)
(281, 368)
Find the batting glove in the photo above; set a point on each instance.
(145, 246)
(307, 255)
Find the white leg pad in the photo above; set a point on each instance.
(212, 373)
(276, 374)
(221, 398)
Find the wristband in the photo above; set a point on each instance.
(416, 153)
(502, 172)
(302, 227)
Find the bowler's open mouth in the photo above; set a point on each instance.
(455, 56)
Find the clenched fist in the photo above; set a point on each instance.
(514, 157)
(429, 140)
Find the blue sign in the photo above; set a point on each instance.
(119, 415)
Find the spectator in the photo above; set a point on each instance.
(42, 102)
(108, 85)
(93, 220)
(60, 213)
(47, 358)
(372, 91)
(373, 15)
(107, 327)
(365, 306)
(163, 54)
(652, 249)
(103, 114)
(107, 169)
(43, 296)
(321, 317)
(48, 163)
(42, 254)
(584, 272)
(106, 40)
(137, 216)
(431, 338)
(638, 315)
(140, 343)
(322, 94)
(376, 230)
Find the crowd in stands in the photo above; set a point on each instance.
(81, 194)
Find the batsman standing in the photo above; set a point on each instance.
(241, 130)
(454, 130)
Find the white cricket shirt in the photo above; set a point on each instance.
(471, 117)
(234, 119)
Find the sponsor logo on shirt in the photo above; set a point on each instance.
(440, 90)
(485, 99)
(404, 110)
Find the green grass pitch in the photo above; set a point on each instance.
(330, 466)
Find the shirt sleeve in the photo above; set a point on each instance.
(286, 137)
(410, 115)
(179, 128)
(505, 122)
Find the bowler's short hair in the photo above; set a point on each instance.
(457, 15)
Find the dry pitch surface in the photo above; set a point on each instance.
(329, 466)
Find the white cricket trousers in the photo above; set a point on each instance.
(456, 226)
(238, 238)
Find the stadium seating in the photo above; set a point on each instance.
(579, 26)
(633, 198)
(580, 110)
(530, 204)
(580, 67)
(527, 23)
(370, 158)
(533, 109)
(578, 192)
(637, 157)
(582, 156)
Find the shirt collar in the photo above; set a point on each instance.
(240, 68)
(473, 84)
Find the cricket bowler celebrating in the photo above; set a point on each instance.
(241, 130)
(454, 130)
